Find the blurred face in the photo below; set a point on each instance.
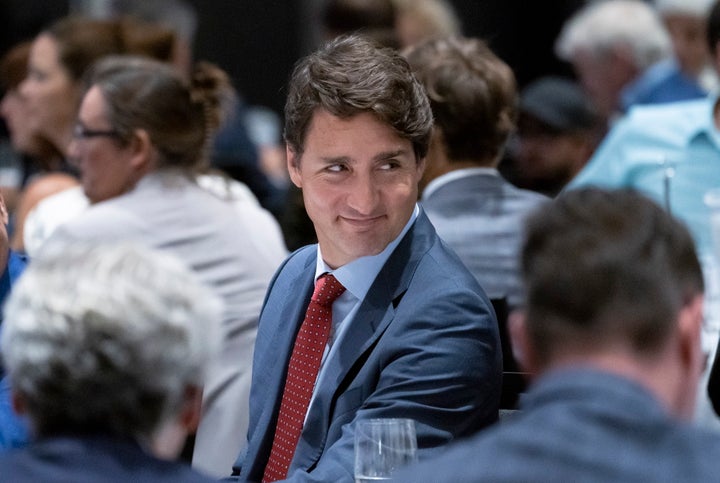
(543, 154)
(105, 163)
(688, 37)
(603, 78)
(359, 180)
(50, 93)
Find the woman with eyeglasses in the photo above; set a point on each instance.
(59, 56)
(141, 143)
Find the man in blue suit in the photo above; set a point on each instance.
(612, 330)
(413, 335)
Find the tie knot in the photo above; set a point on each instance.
(327, 289)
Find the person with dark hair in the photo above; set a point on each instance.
(104, 367)
(611, 331)
(373, 18)
(27, 152)
(59, 56)
(477, 212)
(397, 326)
(558, 131)
(141, 139)
(669, 151)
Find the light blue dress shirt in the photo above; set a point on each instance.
(357, 277)
(671, 152)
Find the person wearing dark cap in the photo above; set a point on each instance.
(558, 130)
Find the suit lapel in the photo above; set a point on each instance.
(285, 314)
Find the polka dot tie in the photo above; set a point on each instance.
(302, 373)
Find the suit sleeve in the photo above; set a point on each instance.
(438, 362)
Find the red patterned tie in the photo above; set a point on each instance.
(302, 373)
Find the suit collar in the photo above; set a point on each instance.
(455, 175)
(375, 314)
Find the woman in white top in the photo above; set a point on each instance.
(140, 141)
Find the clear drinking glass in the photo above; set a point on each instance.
(382, 446)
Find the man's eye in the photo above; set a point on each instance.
(389, 165)
(335, 168)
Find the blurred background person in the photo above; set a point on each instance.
(27, 153)
(418, 20)
(688, 73)
(142, 136)
(246, 146)
(610, 44)
(477, 212)
(59, 56)
(108, 368)
(668, 151)
(372, 18)
(558, 130)
(612, 331)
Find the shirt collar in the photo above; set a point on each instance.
(358, 275)
(707, 126)
(444, 179)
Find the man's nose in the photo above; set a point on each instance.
(363, 194)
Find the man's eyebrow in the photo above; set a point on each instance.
(390, 154)
(335, 159)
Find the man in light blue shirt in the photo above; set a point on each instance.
(671, 152)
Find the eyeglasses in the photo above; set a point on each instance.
(81, 132)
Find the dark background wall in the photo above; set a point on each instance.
(258, 41)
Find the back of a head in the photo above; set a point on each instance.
(352, 75)
(112, 351)
(418, 20)
(177, 15)
(605, 270)
(180, 117)
(13, 66)
(472, 95)
(82, 41)
(602, 27)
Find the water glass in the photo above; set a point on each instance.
(382, 446)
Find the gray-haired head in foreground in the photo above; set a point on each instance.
(605, 268)
(107, 339)
(352, 75)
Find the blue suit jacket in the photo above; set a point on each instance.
(91, 459)
(423, 345)
(580, 425)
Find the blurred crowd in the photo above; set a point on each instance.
(115, 130)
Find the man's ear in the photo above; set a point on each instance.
(191, 408)
(168, 440)
(690, 322)
(690, 356)
(520, 341)
(293, 164)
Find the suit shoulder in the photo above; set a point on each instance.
(298, 260)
